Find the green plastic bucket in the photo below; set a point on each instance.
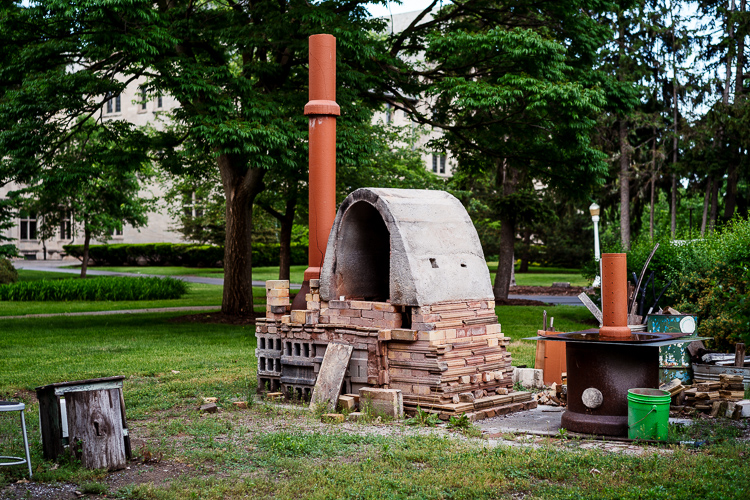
(648, 414)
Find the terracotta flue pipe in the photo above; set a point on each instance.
(614, 296)
(322, 111)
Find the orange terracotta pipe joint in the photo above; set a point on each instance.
(614, 296)
(322, 111)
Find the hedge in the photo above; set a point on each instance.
(177, 254)
(95, 289)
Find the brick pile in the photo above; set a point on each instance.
(715, 397)
(446, 358)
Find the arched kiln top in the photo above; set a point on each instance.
(432, 255)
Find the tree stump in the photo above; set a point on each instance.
(95, 428)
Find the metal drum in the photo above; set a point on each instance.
(674, 360)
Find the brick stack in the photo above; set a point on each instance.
(708, 396)
(447, 358)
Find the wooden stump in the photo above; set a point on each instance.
(95, 428)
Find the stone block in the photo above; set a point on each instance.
(384, 335)
(355, 416)
(360, 304)
(386, 401)
(332, 418)
(529, 377)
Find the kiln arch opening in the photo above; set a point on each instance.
(363, 255)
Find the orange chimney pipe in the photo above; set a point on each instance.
(614, 296)
(322, 111)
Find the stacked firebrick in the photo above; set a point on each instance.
(447, 358)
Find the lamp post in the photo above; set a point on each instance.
(594, 211)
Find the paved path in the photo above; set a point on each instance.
(58, 267)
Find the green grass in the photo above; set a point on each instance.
(270, 451)
(540, 276)
(518, 322)
(259, 273)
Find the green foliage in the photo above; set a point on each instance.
(94, 488)
(423, 418)
(96, 289)
(712, 280)
(8, 273)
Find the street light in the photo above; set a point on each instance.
(594, 210)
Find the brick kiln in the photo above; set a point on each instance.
(404, 282)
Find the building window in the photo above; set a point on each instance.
(28, 226)
(159, 102)
(113, 104)
(115, 232)
(142, 92)
(388, 108)
(65, 226)
(438, 163)
(192, 204)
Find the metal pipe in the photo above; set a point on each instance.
(614, 296)
(322, 111)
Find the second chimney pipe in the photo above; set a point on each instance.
(614, 296)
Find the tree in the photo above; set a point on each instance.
(94, 182)
(513, 86)
(238, 70)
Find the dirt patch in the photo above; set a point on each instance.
(160, 474)
(572, 291)
(40, 491)
(218, 317)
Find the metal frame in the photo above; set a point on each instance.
(660, 343)
(19, 407)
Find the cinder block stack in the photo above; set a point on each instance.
(447, 358)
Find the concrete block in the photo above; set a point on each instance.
(386, 401)
(315, 283)
(529, 377)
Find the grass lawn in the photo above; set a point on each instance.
(259, 273)
(540, 276)
(270, 451)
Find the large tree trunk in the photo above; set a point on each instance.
(624, 187)
(241, 186)
(525, 255)
(714, 204)
(508, 179)
(673, 207)
(505, 257)
(706, 200)
(86, 244)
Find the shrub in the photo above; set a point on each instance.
(712, 280)
(8, 273)
(178, 254)
(95, 289)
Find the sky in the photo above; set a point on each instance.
(395, 8)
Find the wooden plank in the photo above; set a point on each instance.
(50, 422)
(84, 387)
(331, 375)
(591, 307)
(95, 428)
(739, 355)
(82, 382)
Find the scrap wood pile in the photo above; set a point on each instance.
(718, 398)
